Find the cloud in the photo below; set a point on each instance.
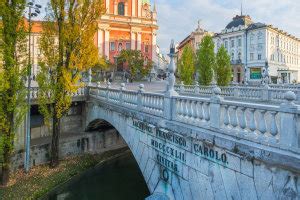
(178, 18)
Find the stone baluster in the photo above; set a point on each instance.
(233, 116)
(197, 88)
(251, 125)
(121, 98)
(226, 116)
(190, 110)
(195, 111)
(200, 110)
(236, 91)
(182, 108)
(242, 119)
(206, 111)
(181, 87)
(186, 110)
(178, 108)
(288, 121)
(266, 93)
(215, 108)
(108, 85)
(262, 122)
(273, 126)
(140, 97)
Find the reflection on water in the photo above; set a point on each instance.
(114, 180)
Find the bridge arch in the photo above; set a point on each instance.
(136, 142)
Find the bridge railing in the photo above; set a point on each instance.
(271, 125)
(272, 93)
(34, 93)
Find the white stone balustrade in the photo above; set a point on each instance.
(272, 125)
(34, 92)
(269, 93)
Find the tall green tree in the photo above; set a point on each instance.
(137, 65)
(13, 67)
(186, 65)
(68, 50)
(223, 67)
(206, 60)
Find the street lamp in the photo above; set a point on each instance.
(33, 11)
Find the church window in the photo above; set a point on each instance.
(146, 48)
(112, 46)
(128, 46)
(121, 8)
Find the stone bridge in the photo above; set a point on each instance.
(194, 143)
(208, 147)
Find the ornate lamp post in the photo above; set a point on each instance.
(171, 70)
(33, 11)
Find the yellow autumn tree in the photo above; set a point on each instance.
(13, 70)
(68, 50)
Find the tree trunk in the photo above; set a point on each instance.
(4, 176)
(55, 142)
(5, 168)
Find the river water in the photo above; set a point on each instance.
(118, 179)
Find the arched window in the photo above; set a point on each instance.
(121, 8)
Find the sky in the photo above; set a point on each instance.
(178, 18)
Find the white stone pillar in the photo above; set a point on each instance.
(133, 9)
(106, 39)
(115, 8)
(139, 8)
(100, 42)
(133, 40)
(107, 2)
(139, 41)
(126, 9)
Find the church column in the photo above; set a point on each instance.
(106, 48)
(126, 9)
(133, 8)
(115, 8)
(133, 40)
(139, 8)
(107, 2)
(139, 41)
(100, 42)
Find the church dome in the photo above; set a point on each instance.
(239, 20)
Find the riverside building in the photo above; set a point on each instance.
(127, 24)
(258, 49)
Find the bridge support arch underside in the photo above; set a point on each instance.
(184, 162)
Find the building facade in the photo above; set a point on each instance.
(194, 40)
(127, 24)
(258, 50)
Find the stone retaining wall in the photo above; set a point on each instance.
(70, 145)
